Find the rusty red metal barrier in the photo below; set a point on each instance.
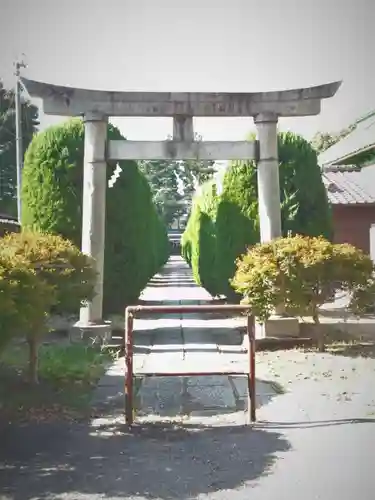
(130, 314)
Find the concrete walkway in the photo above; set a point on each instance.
(184, 343)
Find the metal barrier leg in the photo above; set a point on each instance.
(251, 375)
(129, 368)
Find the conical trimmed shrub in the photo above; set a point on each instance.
(136, 240)
(231, 212)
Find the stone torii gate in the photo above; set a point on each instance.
(97, 106)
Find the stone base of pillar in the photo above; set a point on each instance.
(91, 333)
(278, 327)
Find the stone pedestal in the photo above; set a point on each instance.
(93, 216)
(278, 327)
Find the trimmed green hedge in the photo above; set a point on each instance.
(136, 239)
(224, 222)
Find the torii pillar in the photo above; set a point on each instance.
(95, 106)
(93, 211)
(269, 208)
(268, 177)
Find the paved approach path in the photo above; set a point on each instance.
(316, 441)
(185, 343)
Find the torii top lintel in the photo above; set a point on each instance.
(70, 101)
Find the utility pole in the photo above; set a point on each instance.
(19, 144)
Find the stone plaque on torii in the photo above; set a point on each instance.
(96, 106)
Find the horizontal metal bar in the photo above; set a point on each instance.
(182, 150)
(189, 374)
(189, 309)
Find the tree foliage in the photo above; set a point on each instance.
(50, 272)
(162, 177)
(8, 170)
(231, 210)
(298, 271)
(136, 240)
(58, 262)
(194, 173)
(173, 183)
(24, 298)
(324, 140)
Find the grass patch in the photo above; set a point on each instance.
(67, 377)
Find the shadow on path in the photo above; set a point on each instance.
(176, 397)
(151, 461)
(206, 337)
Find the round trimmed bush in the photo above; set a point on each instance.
(56, 260)
(297, 271)
(136, 241)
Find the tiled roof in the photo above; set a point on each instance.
(342, 168)
(349, 188)
(346, 185)
(360, 139)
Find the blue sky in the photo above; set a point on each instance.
(198, 45)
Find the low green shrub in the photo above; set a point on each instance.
(72, 363)
(299, 272)
(55, 267)
(58, 262)
(24, 298)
